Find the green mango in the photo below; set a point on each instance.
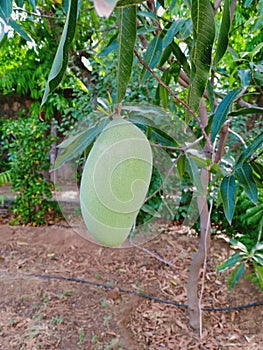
(115, 181)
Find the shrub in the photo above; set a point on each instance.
(28, 142)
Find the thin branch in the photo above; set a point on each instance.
(36, 14)
(165, 179)
(238, 136)
(174, 96)
(166, 262)
(166, 87)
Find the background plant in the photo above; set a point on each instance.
(28, 143)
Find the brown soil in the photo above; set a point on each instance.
(37, 313)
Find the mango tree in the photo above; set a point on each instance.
(194, 54)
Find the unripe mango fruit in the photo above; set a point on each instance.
(115, 181)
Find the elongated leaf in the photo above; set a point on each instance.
(222, 112)
(195, 175)
(152, 56)
(227, 190)
(140, 120)
(181, 166)
(258, 168)
(5, 177)
(245, 111)
(155, 134)
(186, 29)
(222, 42)
(245, 178)
(250, 150)
(235, 275)
(79, 144)
(104, 8)
(127, 37)
(258, 258)
(204, 34)
(61, 59)
(17, 27)
(172, 31)
(2, 32)
(5, 9)
(230, 262)
(259, 274)
(245, 77)
(235, 244)
(123, 3)
(180, 56)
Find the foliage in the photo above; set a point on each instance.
(5, 177)
(242, 257)
(28, 143)
(202, 60)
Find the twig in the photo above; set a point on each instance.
(165, 179)
(173, 95)
(158, 257)
(166, 86)
(36, 14)
(238, 136)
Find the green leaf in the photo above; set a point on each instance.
(186, 29)
(245, 178)
(156, 135)
(222, 112)
(245, 77)
(245, 111)
(259, 274)
(227, 190)
(5, 9)
(204, 33)
(222, 42)
(250, 150)
(180, 56)
(123, 3)
(17, 27)
(254, 215)
(181, 166)
(127, 38)
(258, 258)
(5, 177)
(61, 59)
(163, 93)
(140, 120)
(172, 31)
(195, 175)
(152, 56)
(150, 210)
(230, 262)
(235, 275)
(79, 143)
(2, 32)
(235, 244)
(257, 173)
(104, 8)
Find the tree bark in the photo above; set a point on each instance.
(204, 239)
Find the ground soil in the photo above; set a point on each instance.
(41, 313)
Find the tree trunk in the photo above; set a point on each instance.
(198, 258)
(204, 239)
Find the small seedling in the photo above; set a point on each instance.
(94, 338)
(105, 303)
(57, 319)
(81, 336)
(106, 319)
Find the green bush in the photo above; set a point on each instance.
(28, 142)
